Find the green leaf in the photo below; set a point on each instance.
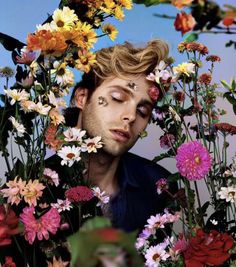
(191, 37)
(226, 85)
(97, 222)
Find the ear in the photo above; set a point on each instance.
(81, 96)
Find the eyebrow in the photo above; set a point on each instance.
(143, 102)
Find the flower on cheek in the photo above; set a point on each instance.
(153, 92)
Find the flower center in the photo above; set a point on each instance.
(155, 256)
(91, 144)
(60, 23)
(70, 155)
(197, 160)
(231, 194)
(61, 72)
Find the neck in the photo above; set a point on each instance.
(102, 171)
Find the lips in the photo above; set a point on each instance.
(121, 135)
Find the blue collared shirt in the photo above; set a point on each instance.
(137, 199)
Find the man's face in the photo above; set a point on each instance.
(118, 111)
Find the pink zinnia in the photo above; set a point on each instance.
(41, 227)
(79, 193)
(193, 160)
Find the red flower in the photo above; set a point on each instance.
(9, 262)
(184, 22)
(154, 93)
(8, 225)
(79, 194)
(208, 249)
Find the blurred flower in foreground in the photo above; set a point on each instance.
(184, 22)
(193, 160)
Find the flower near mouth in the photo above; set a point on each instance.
(91, 144)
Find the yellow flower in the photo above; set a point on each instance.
(126, 3)
(184, 68)
(86, 36)
(119, 14)
(85, 61)
(110, 30)
(32, 192)
(64, 18)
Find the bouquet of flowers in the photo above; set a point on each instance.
(42, 203)
(195, 136)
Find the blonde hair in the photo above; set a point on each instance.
(126, 59)
(123, 61)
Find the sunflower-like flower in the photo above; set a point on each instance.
(63, 75)
(86, 36)
(85, 61)
(110, 30)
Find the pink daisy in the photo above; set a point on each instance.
(41, 227)
(193, 160)
(79, 194)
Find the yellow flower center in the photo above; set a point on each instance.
(197, 160)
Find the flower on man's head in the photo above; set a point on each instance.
(110, 30)
(41, 227)
(79, 193)
(184, 22)
(228, 193)
(193, 160)
(69, 155)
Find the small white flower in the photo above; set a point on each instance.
(62, 205)
(228, 193)
(157, 221)
(74, 134)
(57, 102)
(69, 155)
(141, 243)
(16, 95)
(17, 126)
(40, 108)
(214, 222)
(103, 198)
(155, 254)
(91, 144)
(184, 68)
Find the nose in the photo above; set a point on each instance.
(129, 114)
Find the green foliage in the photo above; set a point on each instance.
(191, 37)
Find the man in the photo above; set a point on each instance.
(115, 102)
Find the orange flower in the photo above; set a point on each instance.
(48, 42)
(228, 21)
(181, 3)
(184, 22)
(51, 137)
(57, 263)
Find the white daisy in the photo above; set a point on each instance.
(103, 198)
(62, 75)
(63, 18)
(62, 205)
(17, 126)
(74, 134)
(40, 108)
(51, 176)
(228, 193)
(155, 254)
(55, 101)
(16, 95)
(69, 155)
(157, 221)
(91, 144)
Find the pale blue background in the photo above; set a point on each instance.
(18, 18)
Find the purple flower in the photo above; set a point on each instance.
(193, 160)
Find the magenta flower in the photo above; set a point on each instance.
(41, 227)
(193, 160)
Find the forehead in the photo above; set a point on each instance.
(138, 86)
